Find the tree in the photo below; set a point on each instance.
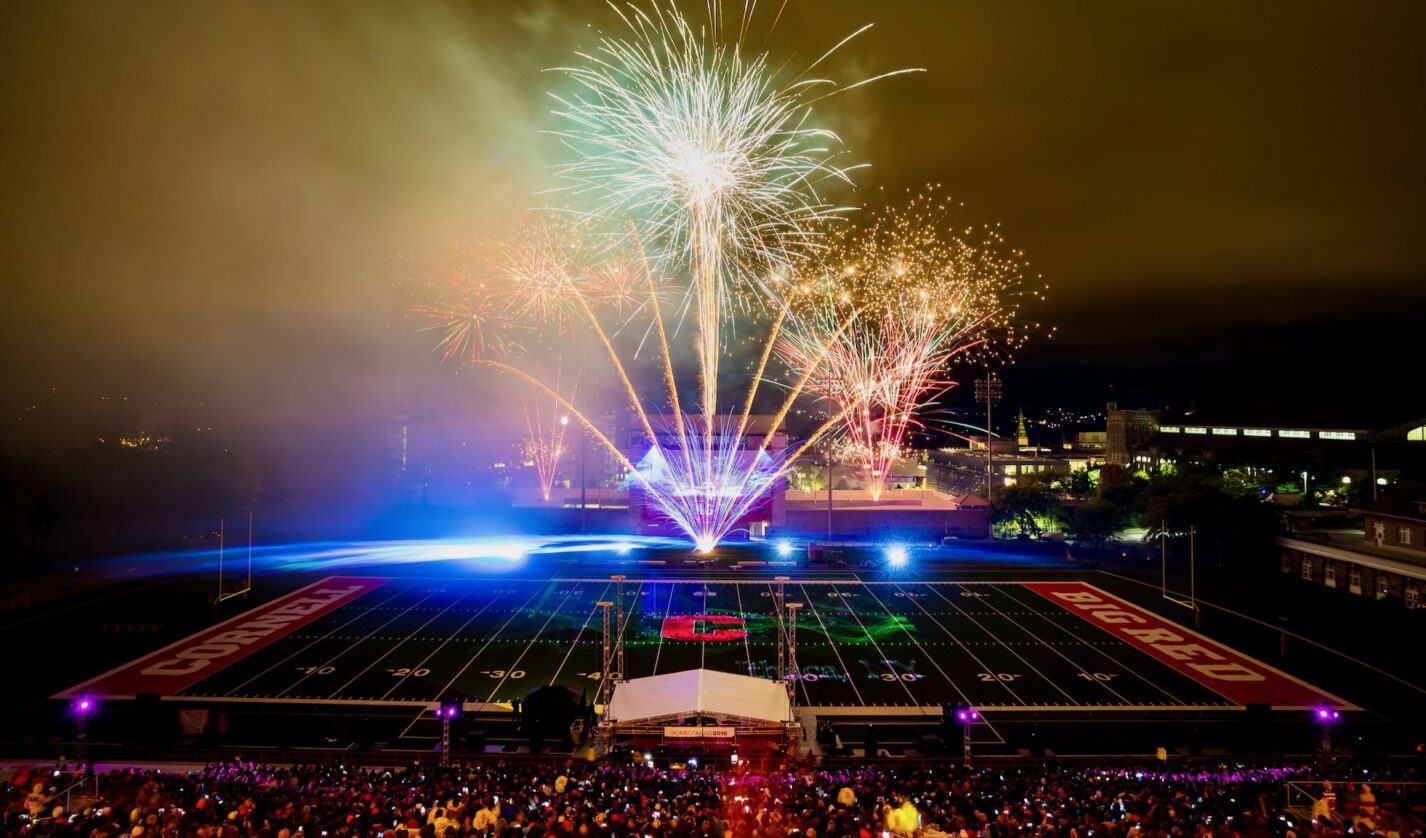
(1097, 520)
(1027, 507)
(1227, 525)
(1080, 483)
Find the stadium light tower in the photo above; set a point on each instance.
(606, 682)
(1327, 716)
(965, 717)
(792, 674)
(83, 706)
(779, 597)
(987, 392)
(447, 711)
(618, 674)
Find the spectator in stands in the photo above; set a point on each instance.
(604, 801)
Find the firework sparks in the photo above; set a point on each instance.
(708, 153)
(544, 442)
(927, 296)
(704, 146)
(467, 318)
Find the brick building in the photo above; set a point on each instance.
(1385, 560)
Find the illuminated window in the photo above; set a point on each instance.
(1195, 430)
(1416, 434)
(1173, 429)
(1295, 434)
(1225, 431)
(1403, 535)
(1257, 432)
(1336, 435)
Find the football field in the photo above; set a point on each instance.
(1003, 646)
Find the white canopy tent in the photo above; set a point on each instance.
(700, 692)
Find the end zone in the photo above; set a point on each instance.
(185, 662)
(1237, 677)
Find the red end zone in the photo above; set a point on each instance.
(1234, 676)
(181, 665)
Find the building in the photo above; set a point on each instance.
(1385, 560)
(1324, 440)
(1125, 431)
(1398, 519)
(1086, 451)
(956, 471)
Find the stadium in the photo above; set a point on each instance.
(555, 419)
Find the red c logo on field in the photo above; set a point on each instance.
(686, 627)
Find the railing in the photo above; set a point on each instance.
(67, 793)
(1301, 796)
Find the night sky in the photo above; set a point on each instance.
(215, 202)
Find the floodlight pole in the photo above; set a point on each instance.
(988, 391)
(606, 683)
(793, 676)
(445, 735)
(779, 597)
(1193, 579)
(583, 506)
(619, 625)
(1163, 559)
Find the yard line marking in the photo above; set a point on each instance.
(320, 639)
(747, 646)
(491, 639)
(668, 609)
(1118, 665)
(932, 658)
(511, 668)
(964, 647)
(437, 650)
(811, 601)
(876, 646)
(355, 644)
(1038, 641)
(460, 599)
(575, 644)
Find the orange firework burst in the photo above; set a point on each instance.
(923, 296)
(470, 322)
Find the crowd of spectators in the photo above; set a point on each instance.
(593, 799)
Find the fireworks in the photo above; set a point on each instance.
(704, 156)
(706, 496)
(544, 266)
(702, 145)
(469, 320)
(925, 295)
